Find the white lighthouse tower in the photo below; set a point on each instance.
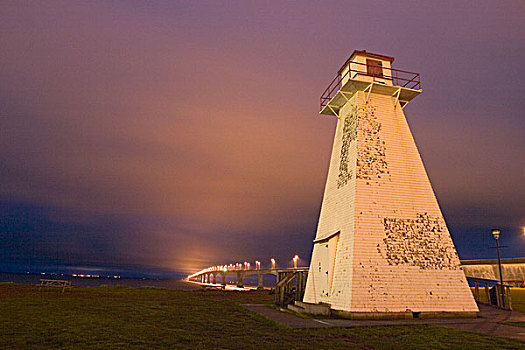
(382, 246)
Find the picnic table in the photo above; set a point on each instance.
(55, 283)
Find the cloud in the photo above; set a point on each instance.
(182, 135)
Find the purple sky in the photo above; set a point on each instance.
(186, 134)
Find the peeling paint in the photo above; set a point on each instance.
(349, 135)
(371, 157)
(418, 242)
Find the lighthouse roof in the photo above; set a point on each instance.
(366, 54)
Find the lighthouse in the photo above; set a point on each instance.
(382, 246)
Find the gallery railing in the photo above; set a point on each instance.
(398, 77)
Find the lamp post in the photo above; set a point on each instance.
(496, 232)
(295, 258)
(273, 263)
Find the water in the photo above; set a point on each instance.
(125, 271)
(96, 282)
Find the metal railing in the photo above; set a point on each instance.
(494, 292)
(402, 78)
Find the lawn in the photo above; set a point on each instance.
(149, 318)
(518, 299)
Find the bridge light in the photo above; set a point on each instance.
(273, 263)
(295, 259)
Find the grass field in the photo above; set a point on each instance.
(518, 299)
(148, 318)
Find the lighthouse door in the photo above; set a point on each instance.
(327, 250)
(322, 269)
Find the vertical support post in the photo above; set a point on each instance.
(487, 293)
(277, 288)
(304, 281)
(239, 280)
(260, 285)
(476, 291)
(509, 299)
(281, 295)
(298, 283)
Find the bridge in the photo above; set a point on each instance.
(210, 275)
(513, 270)
(289, 286)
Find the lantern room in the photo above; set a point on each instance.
(372, 73)
(369, 67)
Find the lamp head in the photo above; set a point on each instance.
(495, 233)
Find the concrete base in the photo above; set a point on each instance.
(309, 308)
(401, 315)
(325, 310)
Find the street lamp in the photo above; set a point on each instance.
(295, 258)
(496, 232)
(273, 263)
(257, 264)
